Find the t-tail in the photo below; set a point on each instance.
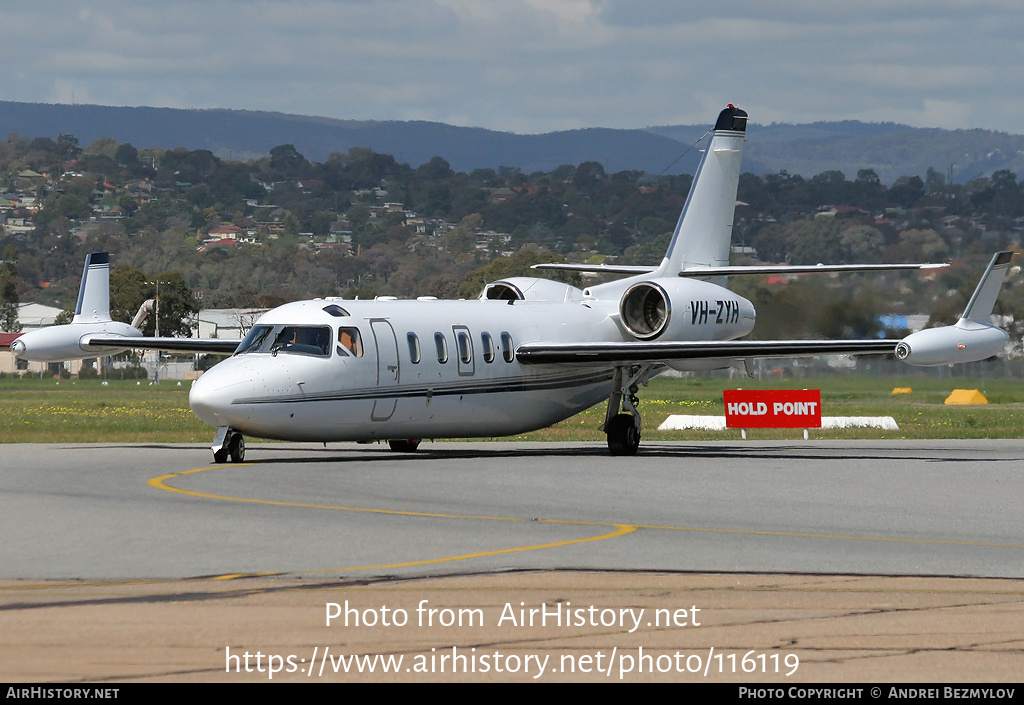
(703, 235)
(971, 338)
(94, 295)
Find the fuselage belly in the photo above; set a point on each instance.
(435, 416)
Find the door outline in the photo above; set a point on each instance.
(388, 367)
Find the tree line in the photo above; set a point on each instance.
(165, 201)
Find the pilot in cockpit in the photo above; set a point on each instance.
(349, 342)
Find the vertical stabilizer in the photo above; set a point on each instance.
(94, 295)
(983, 300)
(704, 232)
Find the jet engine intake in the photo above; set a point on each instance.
(680, 309)
(645, 310)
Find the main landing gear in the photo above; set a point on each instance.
(228, 443)
(404, 446)
(622, 420)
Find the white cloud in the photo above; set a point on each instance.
(531, 65)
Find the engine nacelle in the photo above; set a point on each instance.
(967, 341)
(530, 289)
(70, 342)
(686, 309)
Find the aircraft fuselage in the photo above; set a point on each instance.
(336, 370)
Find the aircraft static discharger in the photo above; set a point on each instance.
(529, 352)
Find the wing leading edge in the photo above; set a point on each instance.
(581, 353)
(216, 346)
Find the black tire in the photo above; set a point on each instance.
(220, 456)
(623, 435)
(236, 448)
(404, 446)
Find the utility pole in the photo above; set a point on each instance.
(156, 367)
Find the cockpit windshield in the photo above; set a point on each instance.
(301, 340)
(254, 340)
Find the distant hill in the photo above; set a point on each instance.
(891, 150)
(244, 134)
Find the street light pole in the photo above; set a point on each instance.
(156, 367)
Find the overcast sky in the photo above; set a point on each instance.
(530, 66)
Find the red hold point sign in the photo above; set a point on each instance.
(772, 408)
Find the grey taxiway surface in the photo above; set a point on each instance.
(856, 507)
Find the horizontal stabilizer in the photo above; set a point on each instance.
(801, 269)
(740, 270)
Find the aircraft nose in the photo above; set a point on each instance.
(18, 348)
(211, 396)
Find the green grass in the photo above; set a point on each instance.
(920, 414)
(77, 411)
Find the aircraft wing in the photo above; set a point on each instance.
(218, 346)
(555, 353)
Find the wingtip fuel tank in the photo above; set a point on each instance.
(966, 341)
(92, 319)
(970, 339)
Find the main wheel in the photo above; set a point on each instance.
(220, 456)
(236, 448)
(406, 446)
(623, 435)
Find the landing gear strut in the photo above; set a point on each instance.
(622, 420)
(228, 443)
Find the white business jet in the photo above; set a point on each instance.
(527, 353)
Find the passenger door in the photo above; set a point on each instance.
(388, 372)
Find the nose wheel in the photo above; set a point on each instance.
(228, 443)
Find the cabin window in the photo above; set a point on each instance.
(414, 348)
(465, 347)
(507, 351)
(488, 346)
(350, 342)
(442, 347)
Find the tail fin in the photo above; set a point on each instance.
(94, 295)
(983, 300)
(704, 231)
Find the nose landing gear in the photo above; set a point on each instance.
(228, 443)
